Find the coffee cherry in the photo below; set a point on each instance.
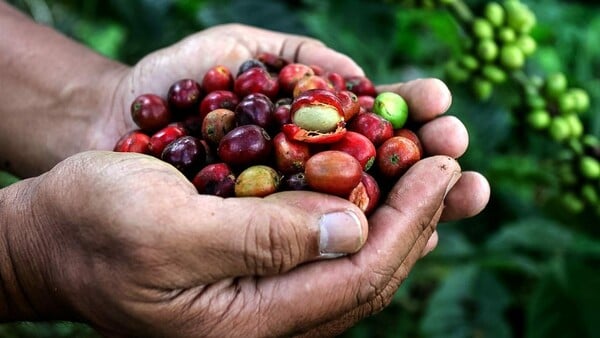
(469, 62)
(567, 103)
(581, 98)
(494, 13)
(589, 167)
(487, 50)
(555, 85)
(575, 125)
(493, 73)
(483, 29)
(150, 112)
(257, 181)
(572, 203)
(482, 88)
(539, 119)
(527, 44)
(391, 107)
(559, 129)
(590, 194)
(187, 154)
(456, 72)
(507, 35)
(512, 57)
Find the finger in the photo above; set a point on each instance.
(426, 98)
(468, 198)
(445, 135)
(431, 244)
(339, 325)
(263, 236)
(313, 52)
(398, 233)
(297, 48)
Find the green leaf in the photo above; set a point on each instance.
(7, 179)
(470, 302)
(545, 236)
(565, 303)
(533, 234)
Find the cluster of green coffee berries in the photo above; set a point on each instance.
(553, 106)
(500, 44)
(579, 172)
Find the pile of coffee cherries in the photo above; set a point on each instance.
(277, 125)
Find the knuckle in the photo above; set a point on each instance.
(273, 245)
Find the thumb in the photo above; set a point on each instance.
(266, 236)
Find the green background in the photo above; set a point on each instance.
(525, 267)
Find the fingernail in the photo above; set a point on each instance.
(340, 234)
(455, 177)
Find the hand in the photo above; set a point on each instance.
(134, 250)
(228, 45)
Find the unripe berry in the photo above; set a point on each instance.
(493, 73)
(567, 103)
(482, 88)
(539, 119)
(572, 203)
(555, 85)
(581, 98)
(527, 44)
(455, 72)
(536, 101)
(590, 194)
(512, 57)
(559, 129)
(589, 167)
(469, 62)
(487, 50)
(575, 125)
(507, 34)
(494, 13)
(483, 29)
(518, 16)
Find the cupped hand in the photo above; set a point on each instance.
(132, 249)
(192, 57)
(142, 253)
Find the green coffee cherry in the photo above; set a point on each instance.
(536, 101)
(527, 44)
(590, 141)
(487, 50)
(494, 13)
(512, 57)
(567, 103)
(483, 29)
(469, 62)
(559, 129)
(572, 203)
(391, 107)
(539, 119)
(575, 125)
(518, 16)
(576, 146)
(507, 34)
(555, 85)
(482, 88)
(581, 98)
(589, 167)
(590, 194)
(456, 73)
(493, 73)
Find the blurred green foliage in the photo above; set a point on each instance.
(524, 267)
